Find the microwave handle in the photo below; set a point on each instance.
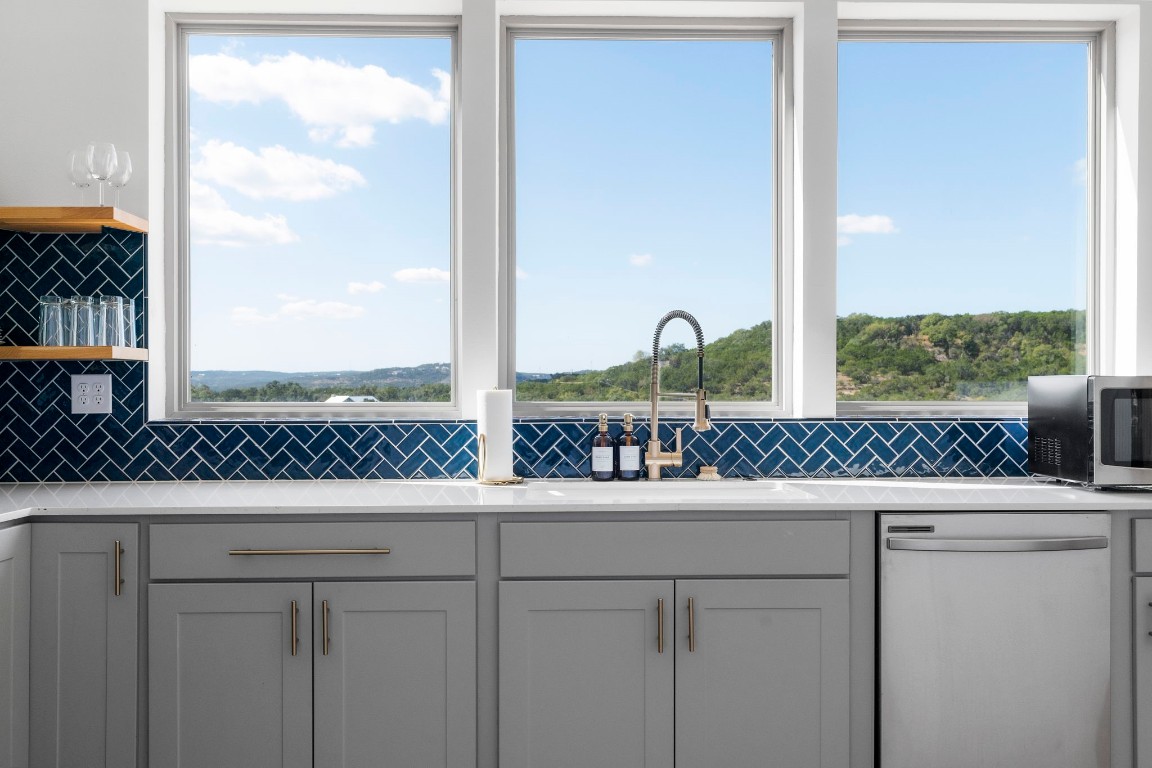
(999, 545)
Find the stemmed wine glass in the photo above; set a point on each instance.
(121, 175)
(78, 170)
(101, 164)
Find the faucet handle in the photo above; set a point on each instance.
(679, 439)
(702, 422)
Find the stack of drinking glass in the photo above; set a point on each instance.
(87, 321)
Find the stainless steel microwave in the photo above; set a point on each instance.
(1091, 429)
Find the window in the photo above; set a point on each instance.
(644, 181)
(964, 256)
(319, 257)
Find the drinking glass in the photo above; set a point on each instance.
(101, 164)
(78, 170)
(121, 175)
(51, 332)
(82, 321)
(113, 320)
(128, 307)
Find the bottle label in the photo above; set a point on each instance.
(629, 458)
(602, 459)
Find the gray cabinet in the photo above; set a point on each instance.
(84, 650)
(230, 684)
(395, 674)
(583, 681)
(14, 618)
(379, 674)
(762, 673)
(755, 673)
(1142, 650)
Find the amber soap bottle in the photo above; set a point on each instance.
(603, 452)
(627, 453)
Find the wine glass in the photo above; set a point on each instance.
(121, 175)
(101, 164)
(78, 170)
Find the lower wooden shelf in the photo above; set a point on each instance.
(73, 353)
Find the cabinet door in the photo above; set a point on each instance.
(1142, 649)
(583, 683)
(766, 679)
(395, 679)
(84, 655)
(225, 689)
(14, 601)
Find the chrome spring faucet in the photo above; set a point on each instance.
(657, 458)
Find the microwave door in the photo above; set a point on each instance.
(1124, 430)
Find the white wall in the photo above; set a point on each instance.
(71, 71)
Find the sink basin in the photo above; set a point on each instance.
(668, 491)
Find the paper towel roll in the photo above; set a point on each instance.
(494, 424)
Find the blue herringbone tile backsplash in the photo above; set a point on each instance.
(42, 441)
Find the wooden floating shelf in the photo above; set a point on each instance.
(73, 353)
(69, 219)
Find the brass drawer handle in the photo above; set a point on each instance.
(377, 551)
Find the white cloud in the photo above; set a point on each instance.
(213, 222)
(331, 310)
(855, 224)
(640, 259)
(373, 287)
(337, 101)
(842, 240)
(421, 275)
(276, 172)
(250, 316)
(521, 274)
(296, 308)
(1080, 169)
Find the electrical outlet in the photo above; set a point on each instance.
(92, 393)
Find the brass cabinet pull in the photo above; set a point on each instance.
(117, 581)
(660, 625)
(325, 623)
(691, 627)
(295, 640)
(377, 551)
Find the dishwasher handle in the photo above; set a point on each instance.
(999, 545)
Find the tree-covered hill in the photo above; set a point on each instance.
(919, 357)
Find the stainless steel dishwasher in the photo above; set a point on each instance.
(994, 641)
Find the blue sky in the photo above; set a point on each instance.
(321, 216)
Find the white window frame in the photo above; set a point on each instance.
(177, 387)
(805, 355)
(1095, 36)
(776, 31)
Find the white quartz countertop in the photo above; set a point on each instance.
(18, 501)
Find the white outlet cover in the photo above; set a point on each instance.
(92, 393)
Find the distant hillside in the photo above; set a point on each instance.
(919, 357)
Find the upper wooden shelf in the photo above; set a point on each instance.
(73, 353)
(67, 219)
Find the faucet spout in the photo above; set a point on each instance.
(656, 457)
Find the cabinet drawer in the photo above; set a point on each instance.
(202, 551)
(1142, 546)
(755, 548)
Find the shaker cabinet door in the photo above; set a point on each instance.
(583, 681)
(1142, 649)
(84, 617)
(395, 674)
(762, 673)
(14, 602)
(229, 685)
